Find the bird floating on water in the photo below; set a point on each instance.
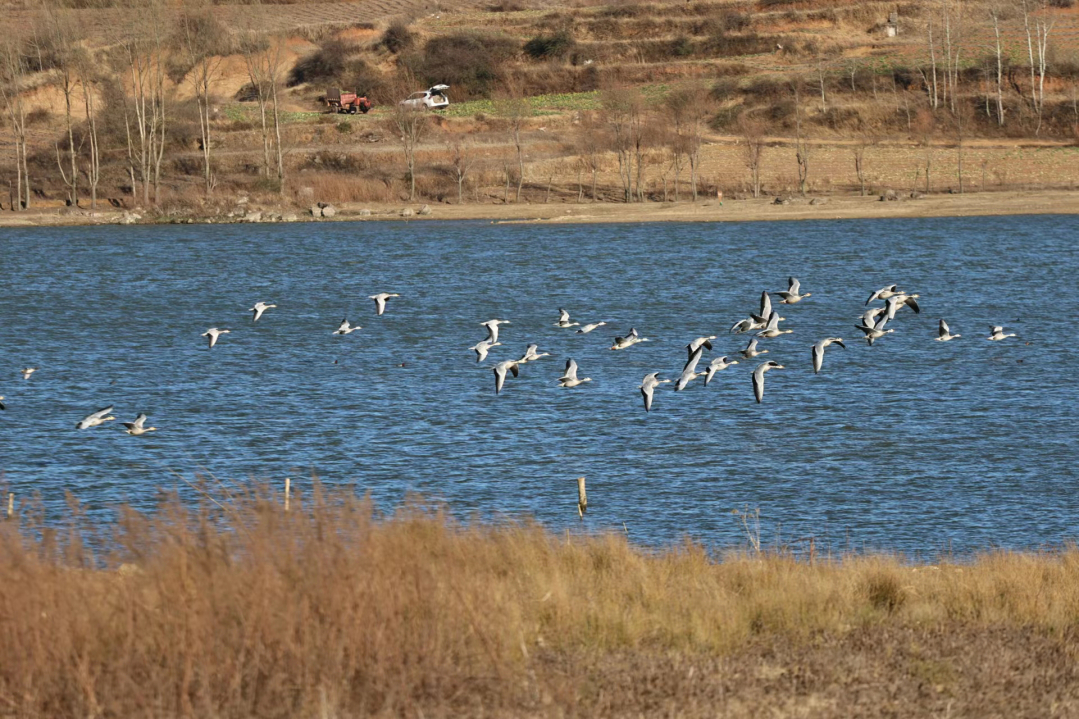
(138, 427)
(944, 334)
(492, 328)
(588, 328)
(818, 351)
(718, 365)
(621, 343)
(95, 419)
(758, 378)
(28, 371)
(532, 354)
(569, 377)
(213, 334)
(563, 319)
(792, 294)
(258, 309)
(346, 328)
(689, 371)
(751, 350)
(648, 386)
(500, 371)
(996, 332)
(380, 301)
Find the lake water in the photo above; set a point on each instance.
(910, 445)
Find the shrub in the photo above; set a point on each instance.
(681, 46)
(326, 63)
(470, 63)
(724, 45)
(1063, 4)
(550, 47)
(397, 37)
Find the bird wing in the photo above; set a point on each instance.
(646, 392)
(101, 412)
(910, 302)
(563, 316)
(500, 377)
(571, 370)
(515, 368)
(742, 324)
(139, 421)
(840, 343)
(793, 285)
(758, 384)
(691, 363)
(766, 304)
(943, 330)
(818, 357)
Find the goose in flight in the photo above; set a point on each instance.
(588, 328)
(138, 426)
(772, 330)
(258, 309)
(212, 334)
(751, 350)
(996, 333)
(532, 354)
(648, 386)
(818, 351)
(97, 418)
(500, 371)
(346, 328)
(883, 293)
(492, 328)
(380, 301)
(748, 324)
(718, 364)
(28, 371)
(620, 343)
(563, 319)
(898, 300)
(689, 372)
(482, 348)
(700, 342)
(792, 294)
(569, 377)
(874, 332)
(758, 378)
(944, 334)
(869, 317)
(766, 309)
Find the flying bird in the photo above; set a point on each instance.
(492, 328)
(758, 378)
(874, 332)
(751, 350)
(569, 377)
(898, 300)
(138, 427)
(772, 330)
(944, 334)
(258, 309)
(689, 371)
(621, 343)
(346, 328)
(500, 371)
(996, 333)
(28, 371)
(648, 386)
(698, 343)
(532, 354)
(380, 301)
(563, 319)
(766, 309)
(212, 334)
(718, 364)
(97, 418)
(482, 348)
(883, 293)
(818, 351)
(2, 407)
(588, 328)
(792, 294)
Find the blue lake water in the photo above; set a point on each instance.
(910, 445)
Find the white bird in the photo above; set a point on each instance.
(766, 309)
(772, 330)
(482, 348)
(751, 350)
(569, 377)
(28, 371)
(698, 343)
(258, 309)
(212, 334)
(689, 371)
(500, 371)
(563, 319)
(718, 364)
(97, 418)
(380, 301)
(748, 324)
(346, 328)
(997, 333)
(492, 328)
(818, 351)
(137, 427)
(588, 328)
(792, 294)
(532, 353)
(898, 300)
(2, 402)
(648, 386)
(620, 343)
(758, 378)
(869, 317)
(874, 332)
(883, 293)
(944, 334)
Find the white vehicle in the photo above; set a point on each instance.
(433, 99)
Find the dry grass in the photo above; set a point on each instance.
(238, 608)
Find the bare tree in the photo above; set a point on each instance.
(994, 16)
(201, 41)
(60, 34)
(463, 161)
(1037, 42)
(264, 59)
(590, 144)
(88, 75)
(752, 150)
(12, 80)
(620, 107)
(142, 59)
(409, 125)
(679, 112)
(863, 142)
(801, 146)
(516, 110)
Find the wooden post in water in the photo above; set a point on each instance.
(288, 482)
(10, 505)
(582, 498)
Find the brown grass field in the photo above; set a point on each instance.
(238, 608)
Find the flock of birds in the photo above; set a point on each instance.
(765, 324)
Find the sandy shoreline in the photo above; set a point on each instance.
(706, 210)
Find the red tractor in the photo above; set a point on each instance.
(347, 103)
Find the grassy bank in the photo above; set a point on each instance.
(239, 608)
